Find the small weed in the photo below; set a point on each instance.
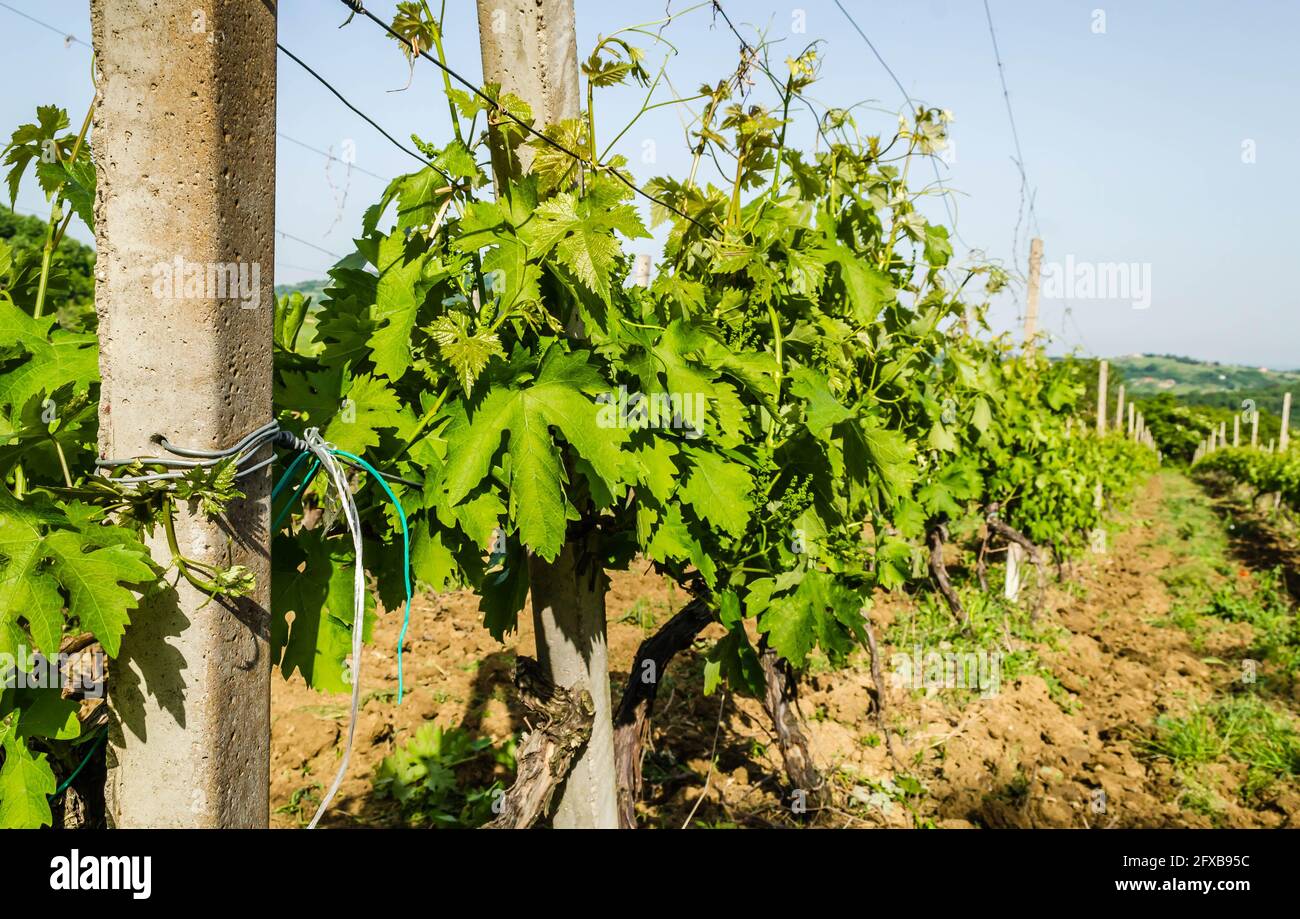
(382, 695)
(302, 802)
(430, 776)
(1015, 792)
(817, 662)
(883, 794)
(1200, 797)
(644, 613)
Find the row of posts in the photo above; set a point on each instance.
(1135, 428)
(1218, 438)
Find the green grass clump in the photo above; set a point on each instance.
(1242, 728)
(1261, 601)
(996, 627)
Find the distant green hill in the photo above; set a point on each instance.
(1205, 383)
(313, 289)
(1149, 374)
(1182, 398)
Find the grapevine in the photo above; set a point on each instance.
(854, 409)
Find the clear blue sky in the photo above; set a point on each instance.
(1132, 138)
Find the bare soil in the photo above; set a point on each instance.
(1066, 753)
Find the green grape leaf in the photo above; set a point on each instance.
(45, 713)
(457, 160)
(674, 540)
(525, 415)
(938, 250)
(822, 410)
(868, 289)
(655, 467)
(77, 180)
(718, 490)
(504, 591)
(820, 611)
(314, 396)
(893, 563)
(313, 579)
(467, 353)
(56, 357)
(26, 783)
(582, 233)
(96, 572)
(734, 660)
(398, 295)
(36, 141)
(370, 405)
(94, 579)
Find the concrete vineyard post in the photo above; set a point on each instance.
(1103, 369)
(1015, 564)
(1119, 408)
(1031, 296)
(531, 50)
(1236, 430)
(1099, 534)
(184, 142)
(1132, 419)
(1016, 554)
(1284, 438)
(641, 271)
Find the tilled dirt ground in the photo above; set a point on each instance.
(1062, 749)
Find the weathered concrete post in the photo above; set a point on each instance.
(531, 50)
(184, 141)
(1236, 430)
(1098, 495)
(1031, 296)
(641, 270)
(1119, 408)
(1103, 372)
(1015, 562)
(1285, 437)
